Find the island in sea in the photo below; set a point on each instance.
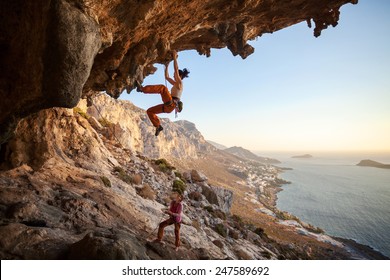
(303, 156)
(371, 163)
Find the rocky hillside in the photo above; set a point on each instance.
(54, 52)
(76, 187)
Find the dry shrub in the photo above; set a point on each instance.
(218, 243)
(219, 214)
(146, 192)
(234, 234)
(243, 255)
(137, 179)
(197, 196)
(196, 224)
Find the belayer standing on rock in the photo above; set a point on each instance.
(171, 99)
(174, 212)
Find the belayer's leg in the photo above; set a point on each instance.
(177, 235)
(161, 228)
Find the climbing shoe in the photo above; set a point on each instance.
(158, 130)
(138, 86)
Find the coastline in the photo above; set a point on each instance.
(354, 249)
(256, 187)
(360, 250)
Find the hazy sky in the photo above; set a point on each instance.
(296, 92)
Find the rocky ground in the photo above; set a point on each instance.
(78, 187)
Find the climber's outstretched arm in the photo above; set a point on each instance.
(169, 79)
(176, 67)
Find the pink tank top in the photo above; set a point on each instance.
(177, 208)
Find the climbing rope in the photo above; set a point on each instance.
(158, 224)
(166, 85)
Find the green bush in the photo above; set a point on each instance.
(106, 181)
(237, 218)
(266, 254)
(179, 186)
(209, 209)
(122, 174)
(77, 110)
(221, 230)
(105, 123)
(179, 175)
(259, 231)
(164, 165)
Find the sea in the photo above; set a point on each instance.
(329, 191)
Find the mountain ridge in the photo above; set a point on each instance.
(217, 145)
(246, 154)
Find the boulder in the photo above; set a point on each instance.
(243, 254)
(187, 177)
(167, 252)
(19, 241)
(221, 197)
(106, 246)
(197, 176)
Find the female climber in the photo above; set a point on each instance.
(171, 99)
(174, 212)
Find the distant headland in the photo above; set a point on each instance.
(303, 156)
(371, 163)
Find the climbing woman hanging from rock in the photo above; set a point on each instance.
(171, 99)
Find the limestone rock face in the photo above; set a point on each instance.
(41, 137)
(53, 52)
(131, 126)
